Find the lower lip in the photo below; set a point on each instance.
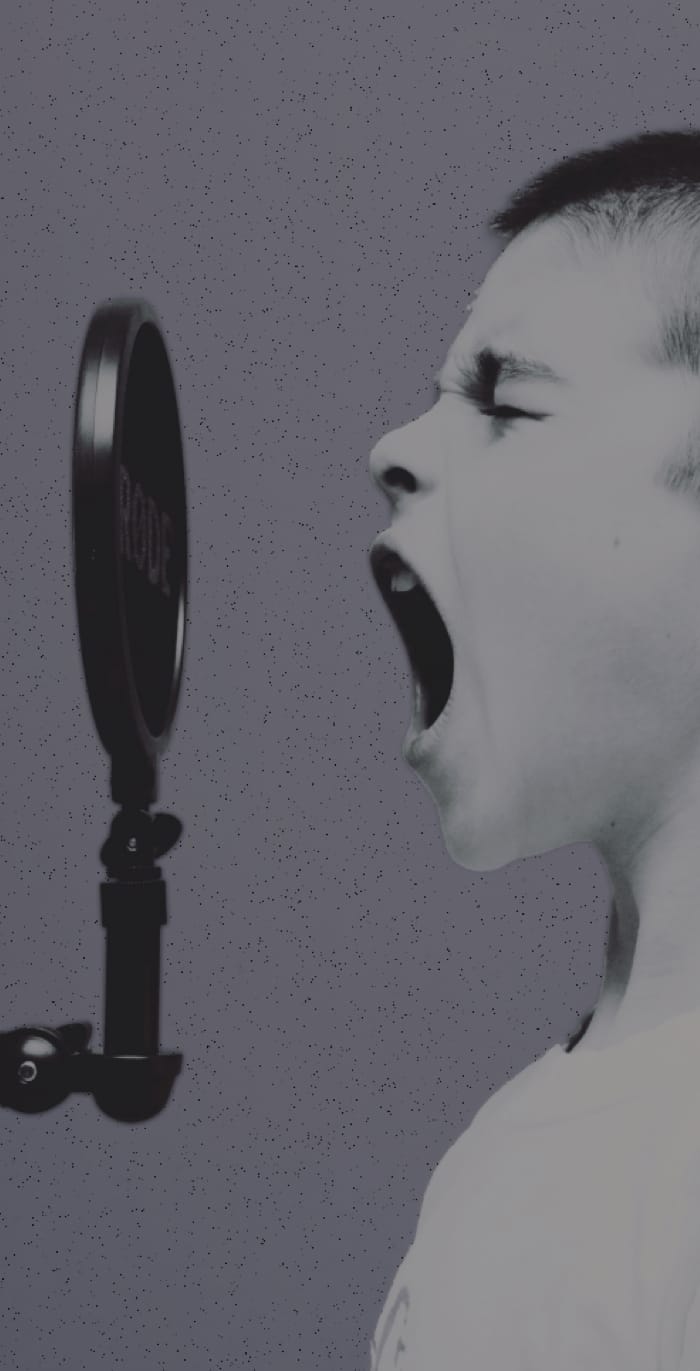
(420, 743)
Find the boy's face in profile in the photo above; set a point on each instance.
(568, 577)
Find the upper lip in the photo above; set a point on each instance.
(421, 625)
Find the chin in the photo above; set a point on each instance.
(475, 838)
(477, 845)
(481, 839)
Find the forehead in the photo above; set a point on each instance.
(571, 303)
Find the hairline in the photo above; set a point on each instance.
(643, 218)
(654, 220)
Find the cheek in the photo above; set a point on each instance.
(525, 549)
(573, 562)
(571, 603)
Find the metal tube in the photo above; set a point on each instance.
(132, 913)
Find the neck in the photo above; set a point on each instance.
(652, 970)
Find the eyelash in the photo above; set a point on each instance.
(480, 391)
(506, 412)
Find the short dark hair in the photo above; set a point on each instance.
(647, 167)
(646, 184)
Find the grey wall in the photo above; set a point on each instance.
(298, 189)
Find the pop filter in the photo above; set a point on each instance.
(129, 541)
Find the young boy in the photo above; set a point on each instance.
(543, 566)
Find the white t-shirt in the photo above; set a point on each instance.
(561, 1232)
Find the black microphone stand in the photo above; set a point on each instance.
(130, 549)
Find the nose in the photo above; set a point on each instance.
(401, 463)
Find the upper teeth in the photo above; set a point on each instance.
(403, 580)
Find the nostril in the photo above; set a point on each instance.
(398, 478)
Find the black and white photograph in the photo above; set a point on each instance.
(350, 557)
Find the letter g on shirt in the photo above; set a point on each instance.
(389, 1343)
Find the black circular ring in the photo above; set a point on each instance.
(129, 531)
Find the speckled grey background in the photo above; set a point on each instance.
(299, 190)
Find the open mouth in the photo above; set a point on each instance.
(427, 641)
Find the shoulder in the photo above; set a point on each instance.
(456, 1167)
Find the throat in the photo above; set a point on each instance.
(652, 961)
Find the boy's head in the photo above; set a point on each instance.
(549, 505)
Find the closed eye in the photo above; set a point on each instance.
(507, 412)
(478, 385)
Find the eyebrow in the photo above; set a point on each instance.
(489, 367)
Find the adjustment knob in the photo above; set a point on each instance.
(35, 1065)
